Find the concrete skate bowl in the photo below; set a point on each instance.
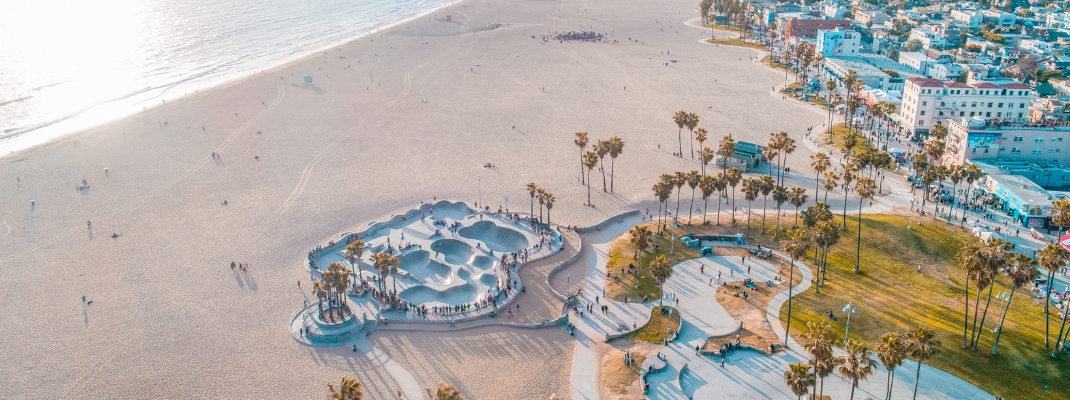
(455, 295)
(483, 262)
(454, 251)
(420, 266)
(447, 209)
(496, 238)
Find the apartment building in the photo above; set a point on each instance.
(967, 18)
(926, 101)
(977, 139)
(807, 28)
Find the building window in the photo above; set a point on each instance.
(972, 113)
(964, 104)
(999, 114)
(1019, 115)
(923, 113)
(1039, 139)
(1000, 105)
(1021, 105)
(962, 113)
(1016, 150)
(1057, 139)
(1037, 150)
(988, 114)
(924, 103)
(974, 104)
(975, 151)
(941, 113)
(1018, 138)
(986, 150)
(989, 105)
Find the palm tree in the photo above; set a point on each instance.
(865, 189)
(733, 177)
(680, 118)
(353, 252)
(662, 190)
(786, 147)
(642, 239)
(381, 261)
(602, 150)
(549, 199)
(830, 182)
(825, 234)
(970, 260)
(320, 292)
(830, 85)
(766, 186)
(705, 156)
(752, 187)
(995, 259)
(720, 183)
(973, 173)
(339, 279)
(590, 160)
(661, 270)
(796, 246)
(955, 173)
(542, 201)
(820, 164)
(700, 137)
(848, 176)
(692, 122)
(532, 191)
(780, 196)
(349, 389)
(727, 149)
(1023, 271)
(708, 187)
(856, 365)
(616, 147)
(799, 379)
(679, 180)
(581, 142)
(819, 339)
(797, 197)
(1052, 258)
(693, 179)
(770, 153)
(922, 345)
(891, 351)
(445, 391)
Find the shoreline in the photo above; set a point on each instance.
(76, 122)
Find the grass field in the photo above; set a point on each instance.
(735, 42)
(891, 295)
(656, 330)
(839, 132)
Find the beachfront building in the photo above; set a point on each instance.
(926, 101)
(807, 28)
(980, 139)
(1020, 198)
(747, 155)
(838, 42)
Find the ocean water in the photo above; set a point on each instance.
(69, 64)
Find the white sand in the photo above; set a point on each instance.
(167, 312)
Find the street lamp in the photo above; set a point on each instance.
(1003, 297)
(849, 309)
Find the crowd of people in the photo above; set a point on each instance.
(587, 36)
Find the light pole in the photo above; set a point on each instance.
(849, 309)
(1003, 296)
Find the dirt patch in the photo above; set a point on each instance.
(756, 329)
(619, 381)
(657, 330)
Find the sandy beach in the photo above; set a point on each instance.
(399, 117)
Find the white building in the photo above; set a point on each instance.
(975, 139)
(917, 62)
(926, 101)
(945, 72)
(927, 38)
(999, 18)
(967, 18)
(838, 42)
(1036, 47)
(871, 17)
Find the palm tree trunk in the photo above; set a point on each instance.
(532, 207)
(917, 379)
(733, 206)
(765, 204)
(692, 208)
(588, 191)
(954, 190)
(976, 305)
(680, 139)
(845, 208)
(796, 216)
(776, 230)
(1059, 336)
(999, 330)
(692, 143)
(1047, 301)
(676, 218)
(602, 167)
(749, 204)
(581, 168)
(718, 212)
(981, 327)
(705, 208)
(817, 185)
(853, 387)
(966, 312)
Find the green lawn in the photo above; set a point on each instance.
(775, 64)
(891, 295)
(735, 42)
(656, 330)
(839, 131)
